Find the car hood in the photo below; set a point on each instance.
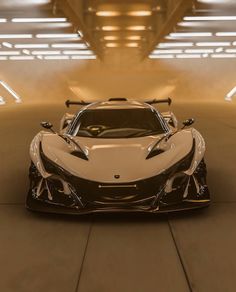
(116, 160)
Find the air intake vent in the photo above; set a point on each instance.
(117, 99)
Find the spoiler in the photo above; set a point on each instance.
(154, 101)
(68, 103)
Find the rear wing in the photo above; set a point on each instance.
(68, 103)
(155, 101)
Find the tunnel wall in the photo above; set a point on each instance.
(183, 80)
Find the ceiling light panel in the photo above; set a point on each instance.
(190, 34)
(9, 53)
(209, 18)
(16, 36)
(22, 58)
(83, 57)
(46, 52)
(186, 56)
(50, 39)
(134, 38)
(112, 45)
(58, 35)
(10, 90)
(7, 45)
(76, 52)
(161, 56)
(31, 46)
(136, 27)
(167, 52)
(108, 13)
(56, 57)
(199, 51)
(213, 44)
(110, 28)
(223, 56)
(74, 46)
(38, 20)
(138, 13)
(226, 34)
(132, 45)
(111, 38)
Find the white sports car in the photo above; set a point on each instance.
(117, 156)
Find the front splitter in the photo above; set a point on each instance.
(45, 207)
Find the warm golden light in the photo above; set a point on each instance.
(110, 28)
(108, 13)
(134, 38)
(112, 45)
(139, 13)
(119, 13)
(111, 38)
(136, 27)
(132, 45)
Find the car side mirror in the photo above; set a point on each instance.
(187, 123)
(47, 125)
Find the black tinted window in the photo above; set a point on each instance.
(118, 123)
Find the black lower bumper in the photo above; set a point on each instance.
(43, 206)
(147, 196)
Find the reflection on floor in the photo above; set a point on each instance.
(192, 251)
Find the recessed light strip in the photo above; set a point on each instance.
(31, 46)
(226, 34)
(56, 58)
(213, 44)
(112, 45)
(9, 53)
(223, 56)
(16, 36)
(7, 45)
(161, 56)
(209, 18)
(190, 34)
(21, 58)
(136, 27)
(137, 13)
(199, 51)
(171, 45)
(59, 35)
(2, 101)
(10, 90)
(167, 52)
(76, 52)
(186, 56)
(132, 45)
(83, 57)
(37, 20)
(46, 52)
(77, 46)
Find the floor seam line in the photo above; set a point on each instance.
(84, 256)
(179, 256)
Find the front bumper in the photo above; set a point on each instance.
(148, 196)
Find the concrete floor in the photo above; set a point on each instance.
(194, 251)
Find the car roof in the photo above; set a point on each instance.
(119, 104)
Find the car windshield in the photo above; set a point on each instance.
(118, 123)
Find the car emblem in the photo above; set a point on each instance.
(117, 176)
